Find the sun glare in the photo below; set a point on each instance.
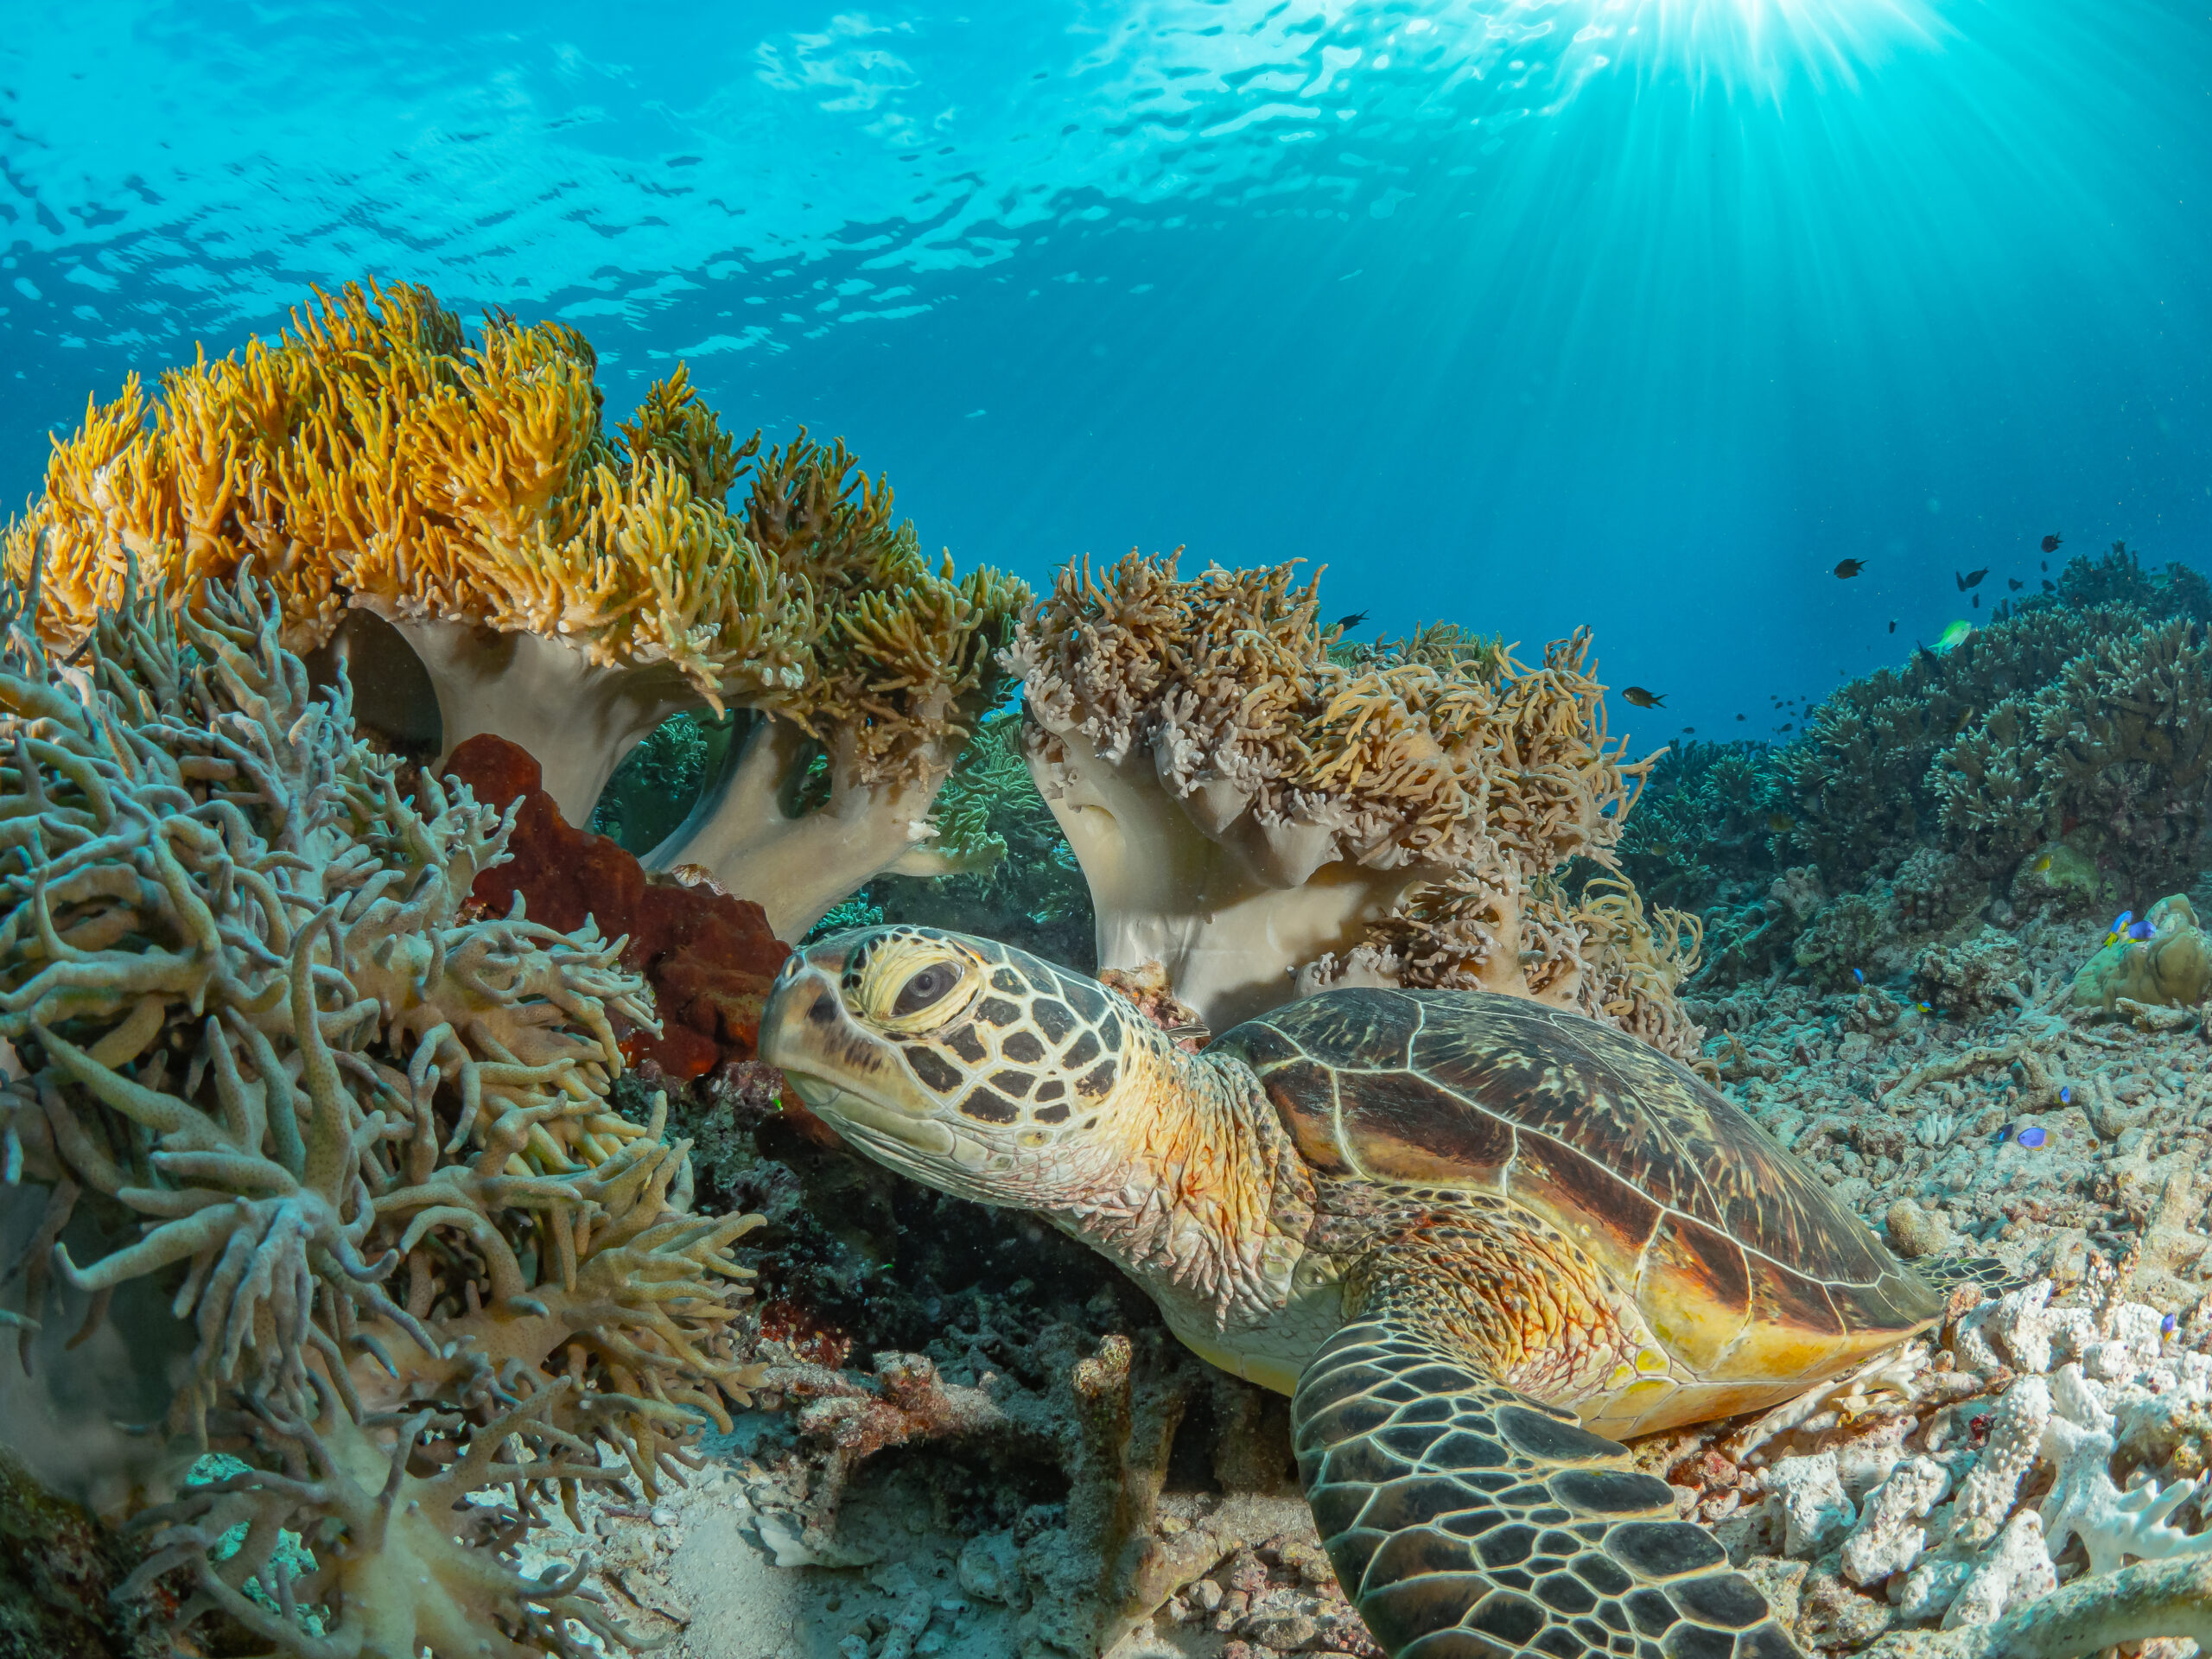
(1760, 45)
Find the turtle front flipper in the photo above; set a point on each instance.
(1466, 1521)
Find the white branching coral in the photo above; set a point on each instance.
(1247, 808)
(2059, 1517)
(358, 1134)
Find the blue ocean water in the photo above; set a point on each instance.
(1642, 314)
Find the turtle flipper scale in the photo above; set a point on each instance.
(1466, 1521)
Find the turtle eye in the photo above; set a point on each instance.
(928, 986)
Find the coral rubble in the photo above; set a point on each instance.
(354, 1134)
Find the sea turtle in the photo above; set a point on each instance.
(1478, 1240)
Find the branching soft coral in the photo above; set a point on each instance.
(247, 1004)
(833, 784)
(565, 590)
(1244, 807)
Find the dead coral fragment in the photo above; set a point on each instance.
(1244, 807)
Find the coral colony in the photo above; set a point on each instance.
(406, 1247)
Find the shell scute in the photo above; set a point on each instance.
(1403, 1129)
(1696, 1289)
(1629, 1152)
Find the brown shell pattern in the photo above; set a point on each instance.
(1629, 1152)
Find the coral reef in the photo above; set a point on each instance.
(1704, 826)
(562, 585)
(1263, 819)
(2118, 578)
(2054, 763)
(328, 1152)
(1857, 781)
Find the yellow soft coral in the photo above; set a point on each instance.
(904, 665)
(563, 586)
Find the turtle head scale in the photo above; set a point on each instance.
(967, 1064)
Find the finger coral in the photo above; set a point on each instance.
(1247, 808)
(268, 1060)
(565, 586)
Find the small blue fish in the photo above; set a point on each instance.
(1924, 1007)
(2140, 930)
(2031, 1136)
(2120, 925)
(2171, 1323)
(2003, 1135)
(2066, 1096)
(1860, 977)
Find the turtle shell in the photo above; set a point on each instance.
(1742, 1263)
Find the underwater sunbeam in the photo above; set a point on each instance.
(1757, 46)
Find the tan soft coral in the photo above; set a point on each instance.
(1247, 808)
(363, 1131)
(904, 667)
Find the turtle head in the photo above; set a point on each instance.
(967, 1064)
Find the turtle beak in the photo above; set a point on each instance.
(847, 1076)
(803, 1021)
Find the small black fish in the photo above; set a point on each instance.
(2048, 586)
(1972, 579)
(1893, 624)
(2045, 563)
(1643, 699)
(1740, 716)
(1689, 731)
(2014, 583)
(1346, 624)
(1977, 602)
(1850, 567)
(2051, 545)
(1785, 728)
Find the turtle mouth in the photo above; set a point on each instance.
(870, 1120)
